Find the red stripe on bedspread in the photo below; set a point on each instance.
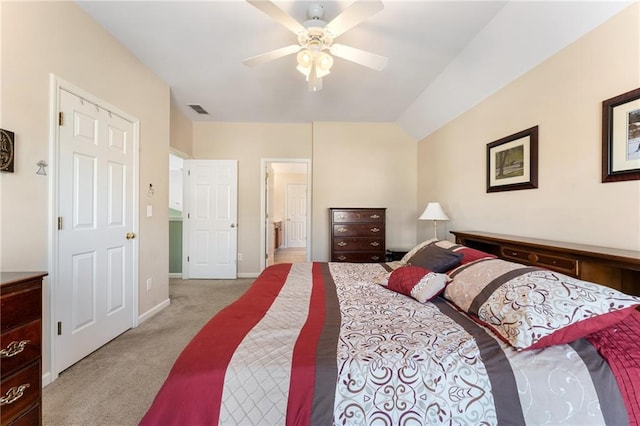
(301, 386)
(192, 393)
(620, 346)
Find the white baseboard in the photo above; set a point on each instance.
(151, 312)
(175, 275)
(46, 379)
(248, 274)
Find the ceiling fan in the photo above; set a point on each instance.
(315, 39)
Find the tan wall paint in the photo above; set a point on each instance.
(563, 96)
(181, 138)
(39, 38)
(364, 165)
(249, 143)
(353, 164)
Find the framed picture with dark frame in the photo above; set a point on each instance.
(512, 162)
(7, 150)
(621, 137)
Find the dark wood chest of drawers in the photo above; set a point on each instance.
(21, 348)
(357, 234)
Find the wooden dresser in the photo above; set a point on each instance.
(616, 268)
(357, 234)
(20, 348)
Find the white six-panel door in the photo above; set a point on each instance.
(211, 215)
(94, 289)
(296, 202)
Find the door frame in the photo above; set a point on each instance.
(56, 84)
(263, 228)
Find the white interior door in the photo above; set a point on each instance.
(296, 203)
(211, 218)
(95, 257)
(269, 226)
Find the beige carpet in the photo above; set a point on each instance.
(116, 384)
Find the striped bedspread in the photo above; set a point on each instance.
(323, 344)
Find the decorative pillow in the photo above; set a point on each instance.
(532, 308)
(435, 258)
(419, 283)
(414, 250)
(471, 255)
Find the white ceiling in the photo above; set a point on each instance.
(197, 48)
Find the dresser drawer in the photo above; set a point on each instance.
(345, 216)
(359, 257)
(358, 230)
(516, 254)
(561, 264)
(357, 244)
(19, 391)
(20, 307)
(565, 265)
(19, 346)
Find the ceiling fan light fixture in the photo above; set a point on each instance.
(305, 58)
(324, 62)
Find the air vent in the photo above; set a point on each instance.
(199, 109)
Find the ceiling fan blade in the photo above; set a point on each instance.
(278, 14)
(353, 15)
(362, 57)
(272, 55)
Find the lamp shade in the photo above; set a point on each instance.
(433, 211)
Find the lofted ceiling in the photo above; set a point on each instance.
(197, 48)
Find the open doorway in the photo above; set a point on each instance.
(286, 207)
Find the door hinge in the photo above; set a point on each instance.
(188, 215)
(188, 172)
(187, 258)
(59, 328)
(59, 223)
(60, 119)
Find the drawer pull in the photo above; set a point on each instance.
(342, 229)
(513, 253)
(341, 216)
(342, 244)
(13, 394)
(375, 243)
(342, 257)
(375, 257)
(375, 229)
(375, 216)
(14, 348)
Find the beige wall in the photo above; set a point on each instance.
(364, 165)
(249, 143)
(353, 164)
(39, 38)
(181, 132)
(563, 96)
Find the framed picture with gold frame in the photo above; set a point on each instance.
(621, 137)
(512, 162)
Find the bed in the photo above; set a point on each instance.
(449, 335)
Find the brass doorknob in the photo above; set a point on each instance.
(130, 235)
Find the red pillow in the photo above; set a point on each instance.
(470, 255)
(417, 282)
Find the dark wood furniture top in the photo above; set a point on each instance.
(616, 268)
(357, 234)
(21, 348)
